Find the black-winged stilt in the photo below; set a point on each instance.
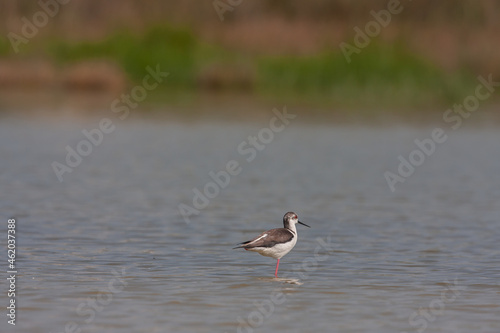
(275, 243)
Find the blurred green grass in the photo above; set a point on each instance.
(382, 76)
(390, 75)
(173, 49)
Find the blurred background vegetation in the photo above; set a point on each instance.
(426, 59)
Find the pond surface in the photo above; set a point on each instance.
(108, 250)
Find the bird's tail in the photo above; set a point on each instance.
(242, 245)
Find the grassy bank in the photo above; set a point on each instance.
(381, 76)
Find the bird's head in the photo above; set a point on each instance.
(291, 218)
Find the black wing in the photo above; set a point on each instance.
(268, 239)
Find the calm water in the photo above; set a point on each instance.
(107, 250)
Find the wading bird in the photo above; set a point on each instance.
(275, 243)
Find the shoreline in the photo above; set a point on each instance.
(202, 107)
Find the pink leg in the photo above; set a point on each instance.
(277, 265)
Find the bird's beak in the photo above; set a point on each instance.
(304, 224)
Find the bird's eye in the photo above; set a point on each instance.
(295, 217)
